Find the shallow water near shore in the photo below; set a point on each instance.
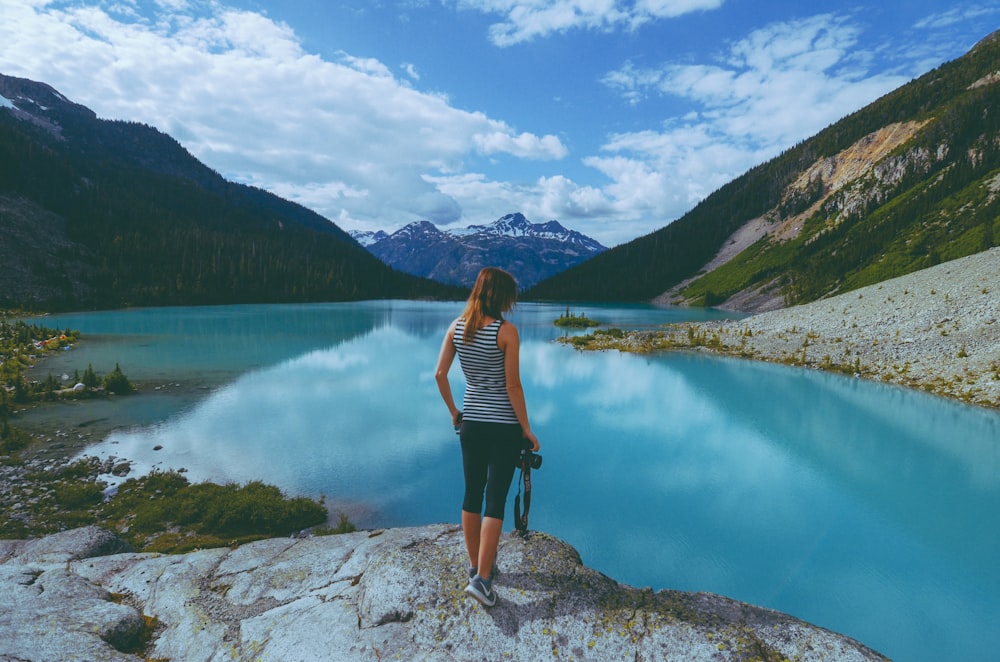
(864, 508)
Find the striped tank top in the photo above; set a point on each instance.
(486, 396)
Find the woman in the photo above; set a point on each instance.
(494, 425)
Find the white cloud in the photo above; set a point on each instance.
(524, 145)
(779, 85)
(345, 137)
(176, 5)
(647, 10)
(957, 15)
(525, 20)
(593, 211)
(411, 70)
(357, 141)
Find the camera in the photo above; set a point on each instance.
(529, 459)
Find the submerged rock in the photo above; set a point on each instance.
(370, 595)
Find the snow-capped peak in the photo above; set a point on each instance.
(531, 251)
(516, 225)
(416, 229)
(367, 237)
(512, 225)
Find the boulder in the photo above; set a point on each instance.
(83, 543)
(367, 595)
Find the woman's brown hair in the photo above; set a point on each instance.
(493, 294)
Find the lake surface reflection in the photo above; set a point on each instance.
(860, 507)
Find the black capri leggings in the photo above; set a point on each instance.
(490, 452)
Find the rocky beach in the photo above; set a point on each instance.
(937, 330)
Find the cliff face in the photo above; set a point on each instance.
(373, 595)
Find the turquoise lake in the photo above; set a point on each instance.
(864, 508)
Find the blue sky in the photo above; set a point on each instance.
(613, 117)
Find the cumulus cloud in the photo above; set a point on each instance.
(342, 135)
(524, 20)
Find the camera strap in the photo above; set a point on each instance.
(521, 519)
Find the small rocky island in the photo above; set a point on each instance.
(370, 595)
(580, 321)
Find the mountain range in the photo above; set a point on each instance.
(910, 180)
(530, 251)
(98, 213)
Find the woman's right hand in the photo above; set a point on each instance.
(530, 436)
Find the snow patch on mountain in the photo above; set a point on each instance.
(531, 251)
(368, 237)
(511, 225)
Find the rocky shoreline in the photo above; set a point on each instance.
(59, 432)
(937, 330)
(31, 481)
(370, 595)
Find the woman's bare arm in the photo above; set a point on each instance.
(445, 358)
(510, 345)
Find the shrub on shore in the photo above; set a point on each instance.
(163, 512)
(11, 439)
(116, 382)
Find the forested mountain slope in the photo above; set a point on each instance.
(904, 183)
(97, 213)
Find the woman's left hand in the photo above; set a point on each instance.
(530, 436)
